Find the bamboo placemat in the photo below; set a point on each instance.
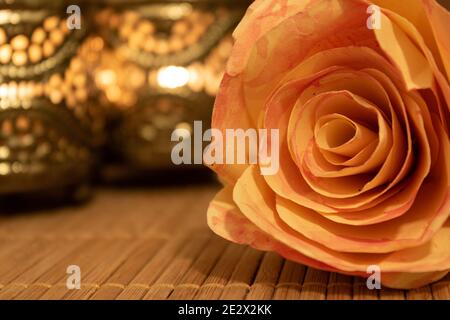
(155, 244)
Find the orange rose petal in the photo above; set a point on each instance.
(295, 189)
(301, 137)
(226, 220)
(318, 25)
(261, 17)
(402, 201)
(262, 67)
(230, 112)
(391, 165)
(364, 85)
(414, 12)
(359, 159)
(352, 57)
(278, 112)
(373, 216)
(394, 161)
(354, 202)
(429, 122)
(402, 142)
(354, 82)
(303, 196)
(415, 69)
(416, 227)
(341, 135)
(409, 29)
(430, 20)
(244, 113)
(407, 280)
(256, 201)
(439, 18)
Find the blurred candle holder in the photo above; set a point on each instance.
(133, 72)
(160, 70)
(49, 122)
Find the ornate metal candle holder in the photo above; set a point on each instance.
(49, 122)
(161, 71)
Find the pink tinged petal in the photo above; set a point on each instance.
(262, 67)
(257, 202)
(261, 17)
(230, 112)
(226, 220)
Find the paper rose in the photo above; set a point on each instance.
(363, 119)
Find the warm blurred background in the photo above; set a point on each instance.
(101, 101)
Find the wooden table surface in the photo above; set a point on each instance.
(153, 243)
